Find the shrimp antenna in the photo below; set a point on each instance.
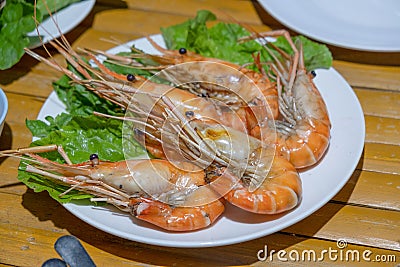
(273, 33)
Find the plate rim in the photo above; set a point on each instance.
(86, 8)
(275, 13)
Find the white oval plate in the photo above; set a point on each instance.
(65, 19)
(369, 25)
(320, 183)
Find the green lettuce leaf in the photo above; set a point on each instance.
(16, 21)
(220, 41)
(38, 184)
(80, 137)
(80, 101)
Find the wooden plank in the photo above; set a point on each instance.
(369, 76)
(15, 134)
(101, 40)
(333, 221)
(16, 117)
(8, 177)
(136, 22)
(242, 11)
(48, 220)
(379, 103)
(140, 23)
(371, 189)
(38, 82)
(35, 246)
(382, 130)
(381, 158)
(336, 221)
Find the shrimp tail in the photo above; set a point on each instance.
(176, 218)
(281, 190)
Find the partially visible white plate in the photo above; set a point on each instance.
(66, 19)
(369, 25)
(320, 183)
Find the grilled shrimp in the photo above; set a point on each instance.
(243, 118)
(136, 95)
(303, 127)
(152, 190)
(241, 168)
(215, 149)
(121, 89)
(234, 85)
(183, 218)
(281, 190)
(211, 146)
(303, 131)
(279, 186)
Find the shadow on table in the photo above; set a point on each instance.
(45, 208)
(5, 139)
(311, 225)
(343, 196)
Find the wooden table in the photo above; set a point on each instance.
(366, 212)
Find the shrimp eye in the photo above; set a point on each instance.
(189, 114)
(313, 73)
(182, 51)
(94, 158)
(130, 77)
